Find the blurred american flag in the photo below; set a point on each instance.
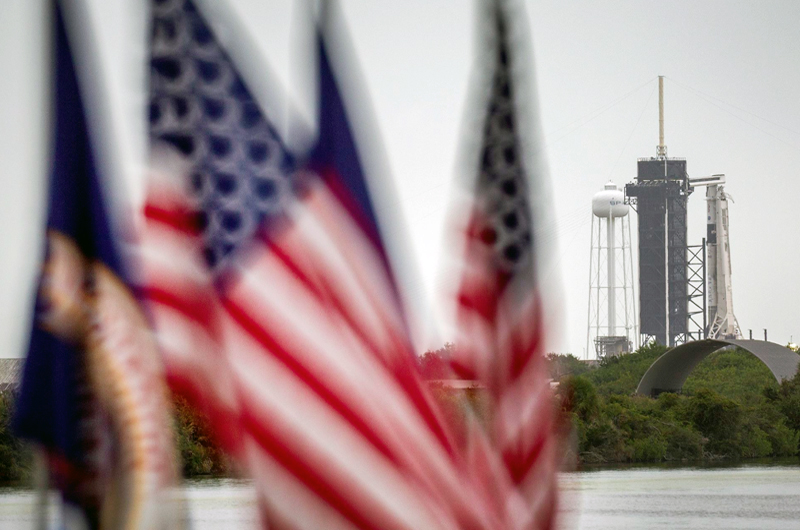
(499, 312)
(278, 314)
(275, 305)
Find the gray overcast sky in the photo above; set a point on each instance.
(732, 70)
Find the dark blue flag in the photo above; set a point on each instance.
(55, 407)
(93, 394)
(335, 156)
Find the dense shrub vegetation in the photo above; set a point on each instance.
(15, 457)
(198, 452)
(199, 455)
(730, 407)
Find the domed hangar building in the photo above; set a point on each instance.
(669, 372)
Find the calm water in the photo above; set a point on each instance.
(750, 496)
(745, 497)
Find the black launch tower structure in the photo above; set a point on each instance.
(659, 195)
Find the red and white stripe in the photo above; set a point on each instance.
(184, 309)
(499, 343)
(304, 358)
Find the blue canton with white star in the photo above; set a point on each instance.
(200, 106)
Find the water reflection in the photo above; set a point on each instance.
(749, 496)
(17, 508)
(763, 495)
(221, 503)
(214, 504)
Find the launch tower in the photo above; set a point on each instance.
(659, 195)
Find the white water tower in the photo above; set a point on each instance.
(612, 315)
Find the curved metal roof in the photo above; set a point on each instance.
(669, 372)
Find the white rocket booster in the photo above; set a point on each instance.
(722, 321)
(711, 252)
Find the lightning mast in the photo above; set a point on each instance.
(661, 149)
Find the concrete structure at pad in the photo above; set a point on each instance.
(669, 372)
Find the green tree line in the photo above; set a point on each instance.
(730, 407)
(198, 453)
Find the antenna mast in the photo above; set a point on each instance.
(661, 150)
